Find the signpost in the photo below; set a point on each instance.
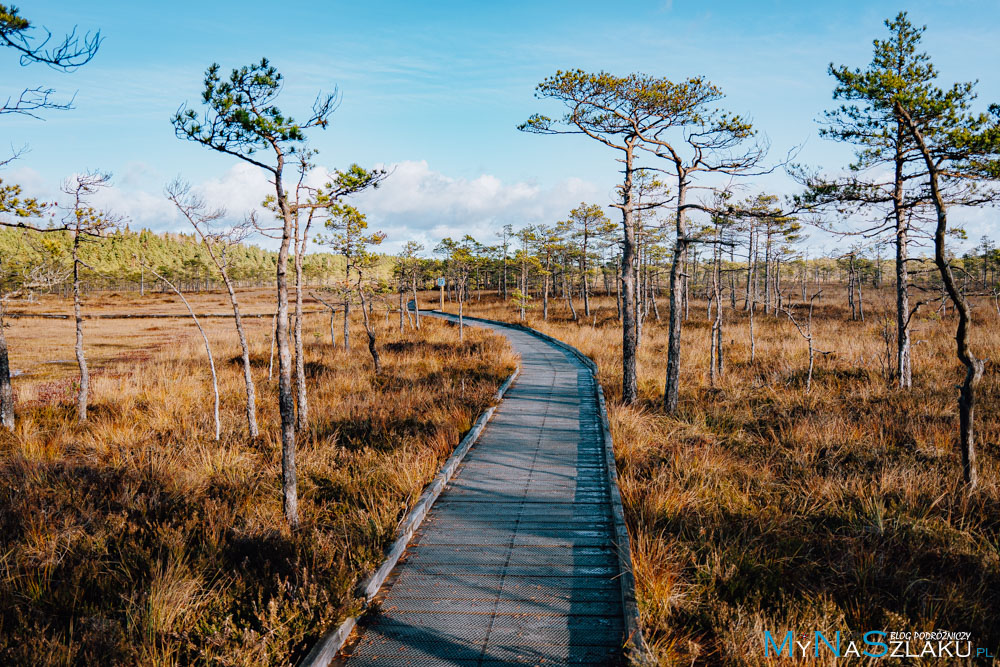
(441, 282)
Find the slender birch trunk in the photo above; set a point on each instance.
(7, 417)
(365, 318)
(208, 351)
(81, 359)
(286, 402)
(251, 405)
(416, 306)
(630, 387)
(671, 390)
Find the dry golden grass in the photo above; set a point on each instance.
(760, 507)
(137, 539)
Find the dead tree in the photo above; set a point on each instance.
(807, 333)
(716, 364)
(208, 348)
(85, 224)
(218, 244)
(369, 327)
(333, 312)
(301, 238)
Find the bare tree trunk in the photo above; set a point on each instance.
(712, 349)
(416, 306)
(208, 351)
(409, 315)
(802, 279)
(286, 402)
(302, 404)
(630, 386)
(372, 348)
(274, 339)
(808, 336)
(732, 279)
(568, 291)
(719, 356)
(904, 371)
(685, 281)
(640, 318)
(618, 289)
(809, 377)
(850, 288)
(861, 303)
(503, 283)
(584, 268)
(401, 306)
(333, 312)
(7, 418)
(347, 319)
(245, 352)
(751, 270)
(545, 290)
(583, 273)
(524, 288)
(656, 308)
(461, 302)
(81, 359)
(777, 286)
(767, 271)
(716, 358)
(974, 367)
(671, 390)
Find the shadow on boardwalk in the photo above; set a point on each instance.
(515, 562)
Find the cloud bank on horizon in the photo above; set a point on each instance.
(415, 203)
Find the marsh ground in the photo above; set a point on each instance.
(137, 539)
(759, 506)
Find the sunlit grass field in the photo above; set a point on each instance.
(759, 506)
(137, 539)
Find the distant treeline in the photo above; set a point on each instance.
(41, 262)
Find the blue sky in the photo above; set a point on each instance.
(436, 89)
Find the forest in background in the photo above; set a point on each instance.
(42, 262)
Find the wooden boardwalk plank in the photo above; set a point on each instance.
(515, 563)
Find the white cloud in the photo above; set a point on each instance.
(417, 203)
(413, 203)
(239, 190)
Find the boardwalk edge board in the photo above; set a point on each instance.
(636, 649)
(326, 649)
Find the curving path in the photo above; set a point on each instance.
(515, 562)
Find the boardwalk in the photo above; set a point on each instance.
(515, 562)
